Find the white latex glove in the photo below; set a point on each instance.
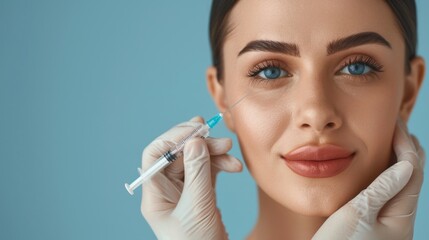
(387, 208)
(179, 202)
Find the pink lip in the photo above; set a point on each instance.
(319, 161)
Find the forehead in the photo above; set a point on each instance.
(311, 24)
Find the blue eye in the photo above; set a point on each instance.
(356, 69)
(272, 73)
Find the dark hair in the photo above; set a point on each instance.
(404, 11)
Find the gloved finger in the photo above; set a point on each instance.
(420, 151)
(198, 193)
(159, 195)
(218, 146)
(196, 160)
(175, 171)
(226, 163)
(197, 119)
(403, 205)
(406, 151)
(403, 145)
(369, 202)
(342, 224)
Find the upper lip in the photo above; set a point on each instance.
(318, 153)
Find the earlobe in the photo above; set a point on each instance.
(217, 91)
(413, 82)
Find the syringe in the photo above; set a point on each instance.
(174, 153)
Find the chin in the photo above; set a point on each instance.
(316, 209)
(318, 201)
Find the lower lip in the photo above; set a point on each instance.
(319, 169)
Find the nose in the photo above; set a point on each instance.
(316, 112)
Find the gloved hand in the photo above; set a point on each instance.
(387, 208)
(179, 202)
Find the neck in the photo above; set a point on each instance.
(277, 222)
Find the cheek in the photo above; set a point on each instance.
(374, 116)
(259, 122)
(372, 122)
(256, 127)
(256, 117)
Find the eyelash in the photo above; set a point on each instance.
(253, 72)
(373, 64)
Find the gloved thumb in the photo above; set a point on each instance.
(369, 202)
(197, 184)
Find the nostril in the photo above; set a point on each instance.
(305, 125)
(330, 125)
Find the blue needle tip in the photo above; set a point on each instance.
(214, 120)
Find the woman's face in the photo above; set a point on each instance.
(332, 74)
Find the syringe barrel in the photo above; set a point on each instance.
(153, 169)
(157, 166)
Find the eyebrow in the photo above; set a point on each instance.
(356, 40)
(271, 46)
(333, 47)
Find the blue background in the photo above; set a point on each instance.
(85, 86)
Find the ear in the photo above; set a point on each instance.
(217, 91)
(413, 82)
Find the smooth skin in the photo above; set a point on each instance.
(315, 101)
